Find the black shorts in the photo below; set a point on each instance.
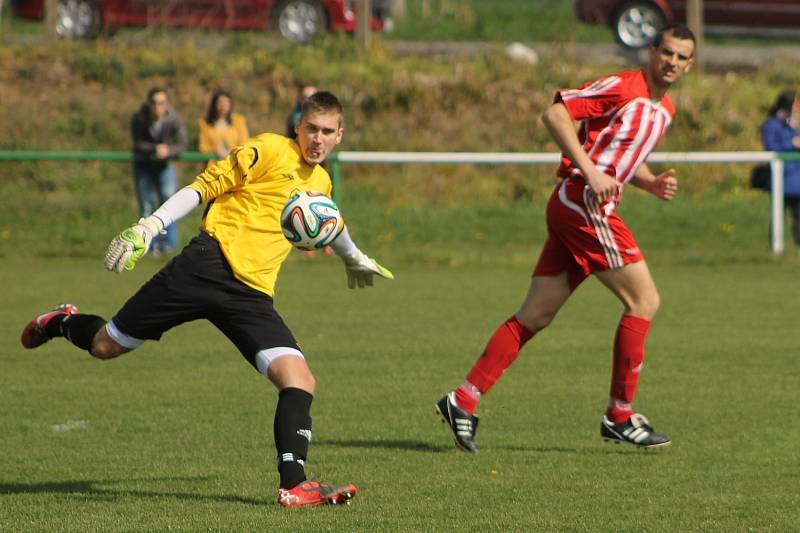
(199, 283)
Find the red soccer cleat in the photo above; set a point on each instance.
(33, 335)
(311, 493)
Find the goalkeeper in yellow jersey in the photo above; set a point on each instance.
(227, 275)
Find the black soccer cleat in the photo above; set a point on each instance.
(636, 430)
(462, 424)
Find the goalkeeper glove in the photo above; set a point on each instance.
(130, 245)
(361, 268)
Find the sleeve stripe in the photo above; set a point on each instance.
(255, 157)
(596, 89)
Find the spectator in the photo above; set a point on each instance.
(304, 90)
(779, 134)
(159, 136)
(221, 129)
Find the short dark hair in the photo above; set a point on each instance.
(679, 31)
(322, 102)
(154, 90)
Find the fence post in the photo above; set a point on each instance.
(363, 30)
(695, 19)
(776, 169)
(51, 18)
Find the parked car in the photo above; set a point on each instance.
(296, 20)
(635, 22)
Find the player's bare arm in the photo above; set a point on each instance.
(663, 186)
(562, 128)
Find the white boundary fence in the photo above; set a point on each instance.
(775, 160)
(539, 158)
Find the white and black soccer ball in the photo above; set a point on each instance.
(311, 220)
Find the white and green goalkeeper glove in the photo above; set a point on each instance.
(130, 245)
(361, 268)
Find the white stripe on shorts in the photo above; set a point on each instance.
(126, 341)
(562, 195)
(265, 357)
(604, 234)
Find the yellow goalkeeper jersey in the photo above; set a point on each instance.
(246, 193)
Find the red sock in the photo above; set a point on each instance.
(628, 360)
(501, 350)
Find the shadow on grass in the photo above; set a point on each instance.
(426, 447)
(539, 449)
(92, 489)
(411, 445)
(602, 449)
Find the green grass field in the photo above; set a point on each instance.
(178, 434)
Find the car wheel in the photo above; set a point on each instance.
(299, 21)
(78, 19)
(635, 24)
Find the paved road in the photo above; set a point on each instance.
(716, 57)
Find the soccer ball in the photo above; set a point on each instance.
(311, 220)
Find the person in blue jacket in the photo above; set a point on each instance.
(779, 134)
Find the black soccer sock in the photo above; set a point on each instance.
(292, 430)
(79, 329)
(53, 327)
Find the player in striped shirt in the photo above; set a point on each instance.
(620, 119)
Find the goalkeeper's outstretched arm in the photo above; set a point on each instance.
(129, 246)
(360, 268)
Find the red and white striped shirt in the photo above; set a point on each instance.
(620, 124)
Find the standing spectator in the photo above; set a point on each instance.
(304, 91)
(159, 136)
(221, 129)
(779, 134)
(620, 119)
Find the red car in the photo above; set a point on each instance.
(635, 22)
(296, 20)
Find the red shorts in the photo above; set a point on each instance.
(583, 236)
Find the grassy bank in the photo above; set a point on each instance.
(80, 96)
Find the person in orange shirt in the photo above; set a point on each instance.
(221, 129)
